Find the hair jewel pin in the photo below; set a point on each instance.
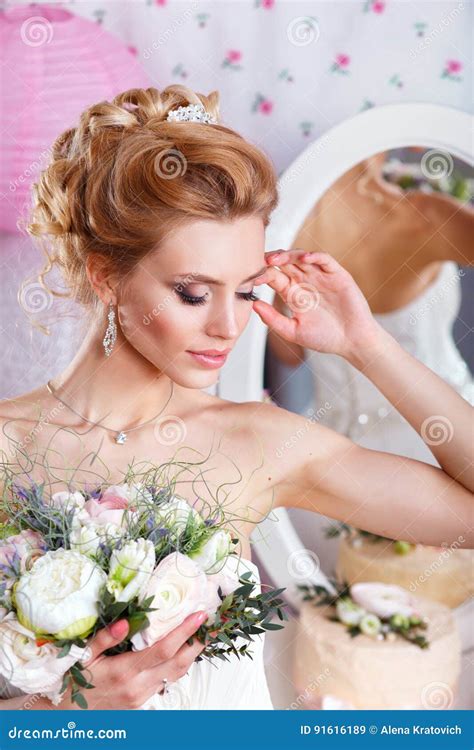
(191, 113)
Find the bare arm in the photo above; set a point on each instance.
(312, 467)
(387, 494)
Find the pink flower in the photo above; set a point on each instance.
(23, 548)
(234, 55)
(378, 7)
(107, 511)
(343, 60)
(160, 2)
(268, 4)
(266, 106)
(453, 66)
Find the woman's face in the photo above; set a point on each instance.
(194, 294)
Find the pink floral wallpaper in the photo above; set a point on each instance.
(289, 70)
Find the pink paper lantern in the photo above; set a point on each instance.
(53, 65)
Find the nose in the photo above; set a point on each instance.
(224, 323)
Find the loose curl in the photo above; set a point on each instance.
(121, 180)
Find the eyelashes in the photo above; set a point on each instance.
(248, 296)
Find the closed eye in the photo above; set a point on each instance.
(248, 296)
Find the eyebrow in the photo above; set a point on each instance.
(209, 280)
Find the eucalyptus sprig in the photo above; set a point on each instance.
(240, 614)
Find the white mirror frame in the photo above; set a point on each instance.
(300, 187)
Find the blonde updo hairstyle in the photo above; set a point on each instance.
(120, 181)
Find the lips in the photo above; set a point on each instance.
(211, 352)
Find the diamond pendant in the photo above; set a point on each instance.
(120, 438)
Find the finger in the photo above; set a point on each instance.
(278, 280)
(280, 257)
(104, 639)
(285, 327)
(167, 647)
(324, 260)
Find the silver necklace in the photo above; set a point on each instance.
(120, 435)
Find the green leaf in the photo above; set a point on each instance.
(64, 651)
(79, 699)
(271, 626)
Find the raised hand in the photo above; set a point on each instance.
(329, 311)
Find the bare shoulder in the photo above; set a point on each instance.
(20, 413)
(291, 444)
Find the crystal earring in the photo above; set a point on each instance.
(111, 332)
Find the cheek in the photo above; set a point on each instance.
(153, 326)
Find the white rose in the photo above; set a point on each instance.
(211, 555)
(179, 587)
(348, 612)
(60, 594)
(383, 599)
(370, 625)
(85, 539)
(174, 514)
(66, 500)
(130, 569)
(29, 667)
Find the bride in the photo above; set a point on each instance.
(156, 217)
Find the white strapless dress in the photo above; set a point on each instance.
(236, 684)
(347, 401)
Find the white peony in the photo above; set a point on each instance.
(179, 587)
(383, 599)
(211, 555)
(30, 667)
(130, 569)
(60, 594)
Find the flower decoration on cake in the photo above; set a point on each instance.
(377, 610)
(357, 536)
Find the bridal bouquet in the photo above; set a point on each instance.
(73, 562)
